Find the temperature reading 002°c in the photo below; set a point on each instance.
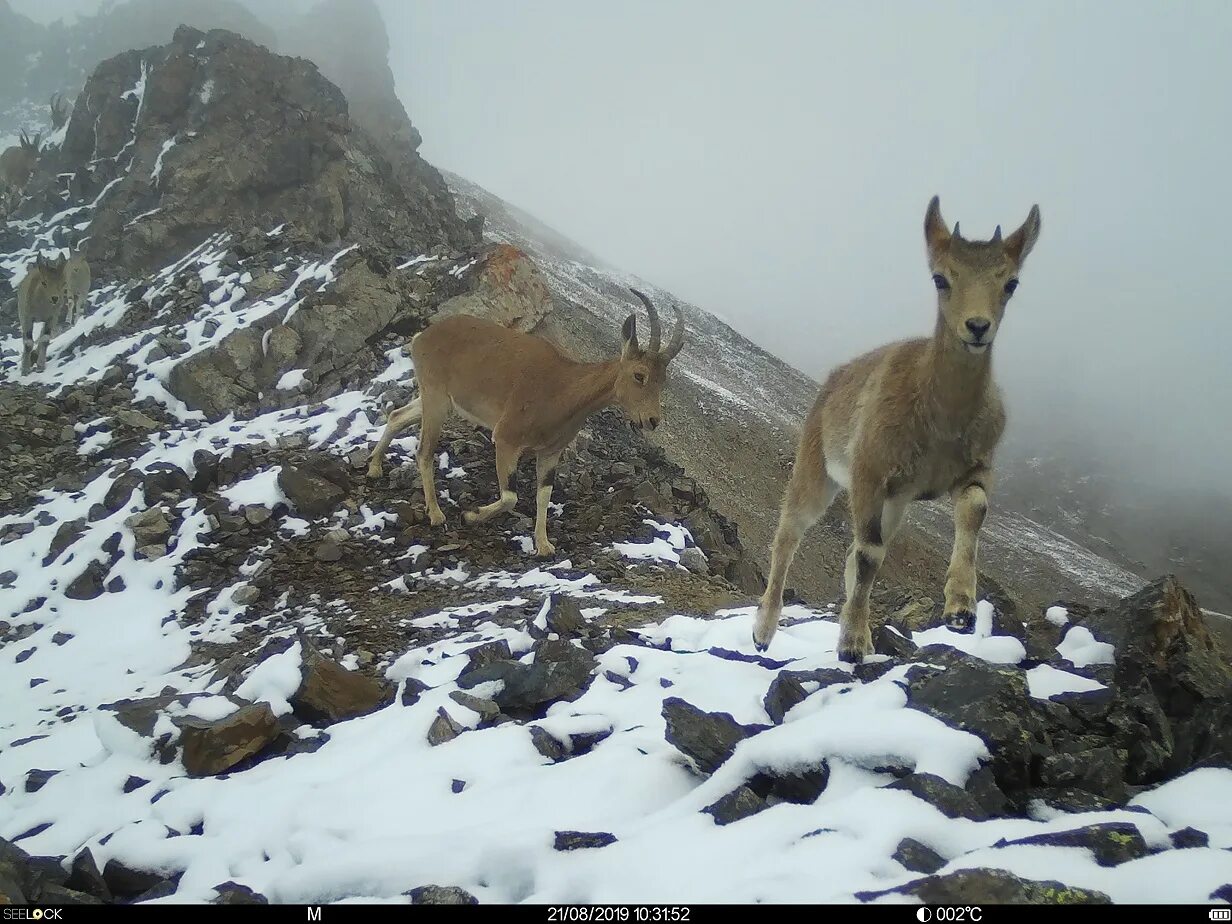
(956, 913)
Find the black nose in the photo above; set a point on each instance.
(654, 422)
(978, 326)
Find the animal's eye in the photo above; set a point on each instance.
(55, 299)
(941, 282)
(639, 378)
(1011, 286)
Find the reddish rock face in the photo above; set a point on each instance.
(506, 288)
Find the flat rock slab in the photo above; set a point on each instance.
(210, 748)
(331, 693)
(990, 887)
(232, 893)
(441, 895)
(738, 804)
(128, 882)
(315, 487)
(707, 738)
(952, 801)
(582, 840)
(561, 672)
(1112, 843)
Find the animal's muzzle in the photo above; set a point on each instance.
(978, 327)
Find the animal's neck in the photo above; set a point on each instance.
(956, 379)
(597, 386)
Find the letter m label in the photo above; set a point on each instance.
(314, 914)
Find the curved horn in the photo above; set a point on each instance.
(996, 236)
(956, 234)
(677, 342)
(656, 331)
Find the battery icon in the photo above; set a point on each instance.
(1221, 914)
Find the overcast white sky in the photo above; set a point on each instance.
(772, 161)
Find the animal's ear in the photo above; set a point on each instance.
(1019, 244)
(936, 235)
(40, 262)
(628, 334)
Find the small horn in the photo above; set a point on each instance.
(677, 342)
(656, 331)
(956, 234)
(996, 236)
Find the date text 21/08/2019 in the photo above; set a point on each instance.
(619, 914)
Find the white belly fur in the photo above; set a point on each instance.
(839, 472)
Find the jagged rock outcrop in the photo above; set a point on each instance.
(171, 143)
(329, 336)
(182, 145)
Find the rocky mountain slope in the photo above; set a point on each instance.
(1152, 525)
(236, 669)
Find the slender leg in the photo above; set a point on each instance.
(545, 474)
(399, 420)
(970, 506)
(506, 462)
(50, 328)
(27, 345)
(433, 418)
(809, 494)
(874, 522)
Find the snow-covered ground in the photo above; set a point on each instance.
(377, 810)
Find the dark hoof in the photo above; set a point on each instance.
(962, 621)
(850, 655)
(759, 646)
